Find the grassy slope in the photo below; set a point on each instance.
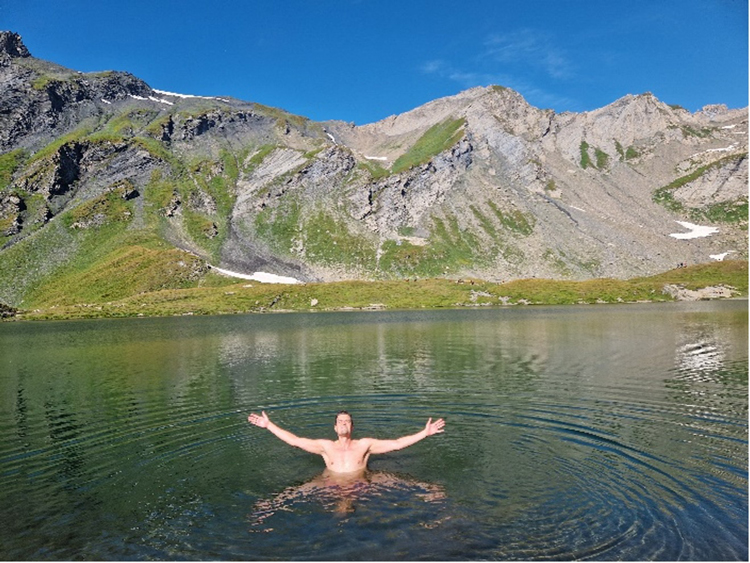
(214, 295)
(78, 267)
(435, 140)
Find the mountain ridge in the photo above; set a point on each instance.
(478, 184)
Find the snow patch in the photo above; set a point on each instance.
(695, 231)
(725, 149)
(262, 277)
(720, 257)
(161, 101)
(173, 94)
(730, 148)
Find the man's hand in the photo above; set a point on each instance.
(260, 420)
(313, 446)
(434, 427)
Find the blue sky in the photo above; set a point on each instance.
(364, 60)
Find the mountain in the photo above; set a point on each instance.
(110, 185)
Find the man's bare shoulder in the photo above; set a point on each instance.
(363, 443)
(324, 442)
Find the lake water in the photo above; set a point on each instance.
(588, 432)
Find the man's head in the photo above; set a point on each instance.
(344, 424)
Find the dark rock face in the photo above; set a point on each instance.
(7, 311)
(12, 46)
(41, 100)
(69, 168)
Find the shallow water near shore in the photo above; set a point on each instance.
(592, 432)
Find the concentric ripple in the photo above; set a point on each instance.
(592, 433)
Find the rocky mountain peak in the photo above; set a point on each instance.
(478, 184)
(11, 45)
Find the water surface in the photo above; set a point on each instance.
(592, 432)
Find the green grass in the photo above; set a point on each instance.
(436, 139)
(326, 239)
(404, 259)
(208, 230)
(87, 127)
(213, 295)
(602, 159)
(159, 191)
(375, 170)
(42, 82)
(279, 227)
(33, 217)
(329, 241)
(90, 252)
(259, 156)
(487, 225)
(724, 212)
(449, 249)
(111, 261)
(9, 163)
(109, 207)
(702, 133)
(515, 220)
(631, 152)
(585, 158)
(125, 272)
(125, 125)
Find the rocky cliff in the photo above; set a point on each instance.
(480, 184)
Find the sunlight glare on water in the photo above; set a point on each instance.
(607, 432)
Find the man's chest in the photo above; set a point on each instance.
(351, 453)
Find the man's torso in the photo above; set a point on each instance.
(346, 458)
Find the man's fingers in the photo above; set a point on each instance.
(439, 424)
(435, 427)
(257, 420)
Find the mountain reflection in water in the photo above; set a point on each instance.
(573, 433)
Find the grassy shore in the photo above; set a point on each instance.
(217, 296)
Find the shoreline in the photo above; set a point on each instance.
(348, 309)
(713, 281)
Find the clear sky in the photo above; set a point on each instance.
(364, 60)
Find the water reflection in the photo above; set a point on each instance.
(592, 432)
(702, 349)
(341, 494)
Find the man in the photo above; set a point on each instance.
(346, 455)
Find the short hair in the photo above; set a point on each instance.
(347, 414)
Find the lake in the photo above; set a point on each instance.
(603, 432)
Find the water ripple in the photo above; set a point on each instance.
(569, 436)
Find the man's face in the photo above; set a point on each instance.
(343, 426)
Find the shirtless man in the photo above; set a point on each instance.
(346, 455)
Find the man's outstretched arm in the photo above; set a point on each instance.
(385, 446)
(261, 420)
